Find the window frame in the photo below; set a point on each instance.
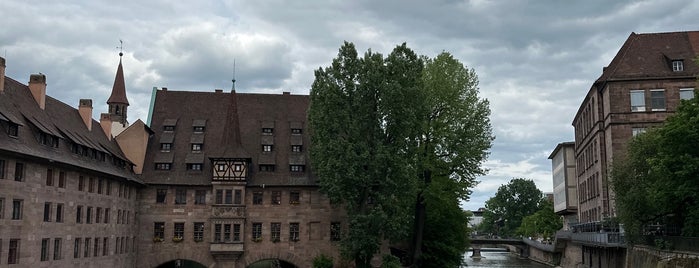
(677, 65)
(691, 93)
(161, 196)
(639, 106)
(180, 196)
(294, 231)
(656, 99)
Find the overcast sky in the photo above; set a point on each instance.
(535, 59)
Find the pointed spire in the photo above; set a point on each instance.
(232, 147)
(119, 89)
(233, 87)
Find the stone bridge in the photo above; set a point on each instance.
(478, 243)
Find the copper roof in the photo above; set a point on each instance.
(119, 88)
(60, 120)
(233, 129)
(650, 56)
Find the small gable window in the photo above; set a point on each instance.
(677, 66)
(12, 129)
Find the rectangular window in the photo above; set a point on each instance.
(180, 196)
(296, 148)
(294, 197)
(49, 177)
(335, 231)
(294, 231)
(160, 195)
(106, 215)
(226, 233)
(266, 147)
(257, 198)
(196, 147)
(267, 168)
(98, 215)
(267, 131)
(105, 246)
(2, 169)
(158, 230)
(256, 231)
(45, 249)
(12, 129)
(194, 166)
(179, 230)
(19, 171)
(88, 215)
(236, 232)
(169, 128)
(2, 208)
(76, 248)
(217, 233)
(57, 249)
(91, 185)
(59, 212)
(13, 253)
(165, 147)
(200, 197)
(296, 168)
(276, 197)
(81, 183)
(685, 94)
(198, 129)
(47, 212)
(86, 252)
(108, 191)
(657, 99)
(229, 197)
(238, 197)
(296, 131)
(100, 183)
(638, 100)
(163, 166)
(198, 231)
(79, 215)
(219, 196)
(61, 179)
(637, 130)
(17, 209)
(221, 167)
(677, 66)
(117, 245)
(276, 229)
(96, 250)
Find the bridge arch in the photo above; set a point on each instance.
(181, 263)
(286, 259)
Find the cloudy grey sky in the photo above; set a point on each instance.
(535, 59)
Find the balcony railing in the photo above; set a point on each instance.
(605, 239)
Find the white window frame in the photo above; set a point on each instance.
(639, 107)
(691, 93)
(677, 66)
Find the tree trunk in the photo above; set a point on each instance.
(419, 224)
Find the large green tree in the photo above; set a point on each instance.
(454, 139)
(362, 125)
(512, 202)
(543, 223)
(658, 179)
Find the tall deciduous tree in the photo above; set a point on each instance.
(454, 140)
(361, 128)
(543, 223)
(512, 202)
(658, 180)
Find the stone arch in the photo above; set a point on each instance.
(270, 255)
(156, 260)
(181, 263)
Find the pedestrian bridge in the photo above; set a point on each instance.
(479, 242)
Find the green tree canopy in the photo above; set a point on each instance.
(543, 223)
(512, 202)
(658, 179)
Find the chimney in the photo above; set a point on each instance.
(85, 110)
(106, 123)
(37, 85)
(2, 74)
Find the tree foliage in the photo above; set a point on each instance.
(383, 132)
(512, 202)
(543, 223)
(361, 127)
(658, 179)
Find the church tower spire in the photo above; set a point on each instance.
(117, 102)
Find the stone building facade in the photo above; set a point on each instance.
(639, 89)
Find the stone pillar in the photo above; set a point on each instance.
(476, 253)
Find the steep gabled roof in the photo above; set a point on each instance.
(60, 120)
(650, 56)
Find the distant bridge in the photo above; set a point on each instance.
(478, 242)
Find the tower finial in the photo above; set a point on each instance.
(233, 80)
(121, 48)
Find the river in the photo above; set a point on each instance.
(500, 259)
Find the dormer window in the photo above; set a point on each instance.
(198, 129)
(266, 148)
(196, 147)
(12, 129)
(168, 128)
(267, 131)
(677, 66)
(163, 166)
(165, 147)
(296, 148)
(296, 168)
(194, 166)
(296, 131)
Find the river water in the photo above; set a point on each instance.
(500, 259)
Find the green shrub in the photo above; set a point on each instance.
(322, 261)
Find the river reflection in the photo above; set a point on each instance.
(500, 259)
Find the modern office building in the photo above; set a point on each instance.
(565, 200)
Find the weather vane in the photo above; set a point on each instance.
(121, 48)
